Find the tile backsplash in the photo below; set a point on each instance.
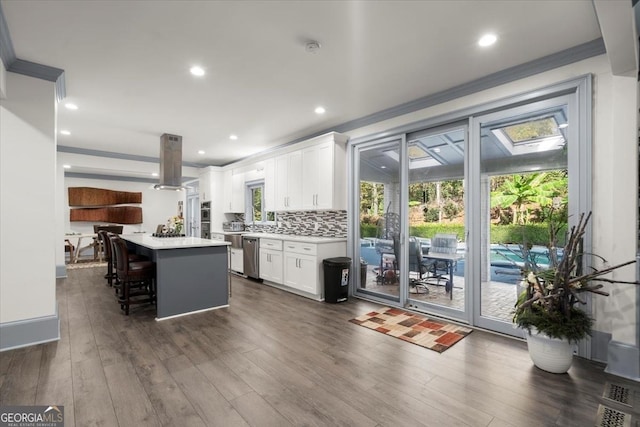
(306, 223)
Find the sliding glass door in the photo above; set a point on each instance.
(523, 190)
(379, 176)
(448, 213)
(436, 214)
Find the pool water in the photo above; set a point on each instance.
(506, 261)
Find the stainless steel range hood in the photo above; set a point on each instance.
(170, 163)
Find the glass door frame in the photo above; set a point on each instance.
(579, 160)
(353, 218)
(579, 178)
(441, 310)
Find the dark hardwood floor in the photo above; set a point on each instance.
(276, 359)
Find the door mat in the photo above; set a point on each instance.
(415, 328)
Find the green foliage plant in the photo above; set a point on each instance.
(551, 296)
(520, 190)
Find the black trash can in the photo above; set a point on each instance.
(336, 279)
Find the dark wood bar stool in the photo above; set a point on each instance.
(111, 276)
(136, 278)
(103, 236)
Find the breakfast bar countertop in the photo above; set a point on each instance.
(296, 238)
(160, 243)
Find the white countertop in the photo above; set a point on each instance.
(295, 238)
(148, 241)
(226, 233)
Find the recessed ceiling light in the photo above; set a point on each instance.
(197, 71)
(65, 132)
(154, 174)
(383, 167)
(66, 166)
(71, 106)
(320, 110)
(200, 151)
(487, 40)
(436, 150)
(234, 137)
(563, 125)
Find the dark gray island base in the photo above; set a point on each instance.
(191, 273)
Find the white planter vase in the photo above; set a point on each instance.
(549, 354)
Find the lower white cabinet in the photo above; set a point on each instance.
(296, 265)
(237, 260)
(271, 265)
(300, 272)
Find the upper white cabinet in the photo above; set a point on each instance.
(270, 185)
(323, 179)
(313, 177)
(288, 171)
(206, 184)
(233, 193)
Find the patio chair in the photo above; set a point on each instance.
(440, 269)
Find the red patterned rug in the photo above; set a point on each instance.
(417, 329)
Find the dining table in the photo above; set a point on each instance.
(75, 253)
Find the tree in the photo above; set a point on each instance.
(520, 190)
(371, 198)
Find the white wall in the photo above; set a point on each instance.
(615, 186)
(27, 199)
(615, 180)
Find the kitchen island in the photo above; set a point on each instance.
(191, 273)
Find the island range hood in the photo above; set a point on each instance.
(170, 163)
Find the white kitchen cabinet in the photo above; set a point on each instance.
(288, 171)
(271, 260)
(271, 265)
(233, 192)
(300, 272)
(270, 185)
(301, 267)
(204, 187)
(323, 177)
(209, 184)
(237, 259)
(294, 263)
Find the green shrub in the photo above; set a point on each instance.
(536, 234)
(451, 209)
(368, 230)
(430, 230)
(431, 214)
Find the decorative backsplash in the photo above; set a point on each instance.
(306, 223)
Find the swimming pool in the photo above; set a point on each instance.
(506, 260)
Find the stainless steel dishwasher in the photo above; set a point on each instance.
(251, 248)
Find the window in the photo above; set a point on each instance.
(255, 204)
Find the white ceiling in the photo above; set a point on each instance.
(127, 63)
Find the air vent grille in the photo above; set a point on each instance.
(608, 417)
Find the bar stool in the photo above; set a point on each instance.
(111, 275)
(136, 278)
(112, 265)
